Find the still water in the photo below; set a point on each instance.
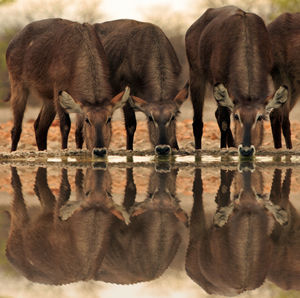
(150, 229)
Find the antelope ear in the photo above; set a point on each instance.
(137, 103)
(182, 95)
(182, 216)
(120, 99)
(222, 97)
(68, 103)
(222, 215)
(279, 98)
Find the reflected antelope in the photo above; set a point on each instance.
(233, 254)
(92, 237)
(142, 250)
(285, 265)
(62, 243)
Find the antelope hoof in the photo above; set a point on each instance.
(163, 149)
(99, 152)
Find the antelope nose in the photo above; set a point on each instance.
(162, 149)
(246, 151)
(99, 152)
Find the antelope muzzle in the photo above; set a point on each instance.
(162, 150)
(99, 152)
(245, 151)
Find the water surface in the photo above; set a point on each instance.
(186, 227)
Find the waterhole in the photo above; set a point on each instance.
(138, 225)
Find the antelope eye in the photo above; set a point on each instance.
(260, 118)
(173, 118)
(108, 120)
(150, 118)
(236, 117)
(87, 121)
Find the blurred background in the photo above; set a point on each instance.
(173, 16)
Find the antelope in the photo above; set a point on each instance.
(284, 33)
(230, 51)
(141, 56)
(64, 64)
(232, 253)
(62, 242)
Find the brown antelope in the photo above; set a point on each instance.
(230, 50)
(64, 242)
(285, 39)
(141, 56)
(64, 64)
(144, 248)
(233, 253)
(285, 264)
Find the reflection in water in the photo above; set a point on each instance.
(253, 236)
(92, 237)
(143, 249)
(285, 267)
(47, 249)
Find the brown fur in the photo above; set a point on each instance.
(142, 250)
(235, 257)
(254, 236)
(285, 38)
(285, 265)
(50, 250)
(141, 56)
(60, 244)
(55, 55)
(229, 46)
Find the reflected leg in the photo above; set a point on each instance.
(130, 190)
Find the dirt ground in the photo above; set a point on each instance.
(211, 135)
